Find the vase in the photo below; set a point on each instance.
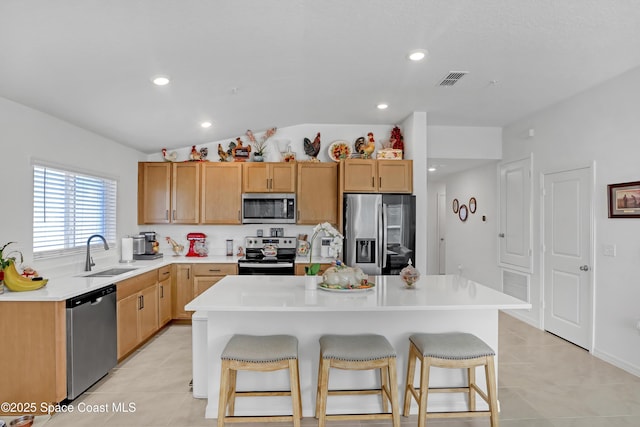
(258, 158)
(310, 283)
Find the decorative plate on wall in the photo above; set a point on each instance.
(455, 206)
(462, 213)
(339, 150)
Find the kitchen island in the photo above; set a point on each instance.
(262, 305)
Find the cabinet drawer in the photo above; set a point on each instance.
(164, 273)
(214, 269)
(135, 284)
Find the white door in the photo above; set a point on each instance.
(442, 243)
(567, 255)
(515, 215)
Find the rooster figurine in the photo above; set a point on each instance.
(170, 157)
(367, 148)
(223, 154)
(312, 148)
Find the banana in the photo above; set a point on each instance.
(17, 282)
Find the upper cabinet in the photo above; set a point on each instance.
(376, 176)
(168, 193)
(317, 193)
(220, 199)
(262, 177)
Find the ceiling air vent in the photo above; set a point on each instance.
(452, 78)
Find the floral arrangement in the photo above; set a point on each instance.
(261, 146)
(336, 245)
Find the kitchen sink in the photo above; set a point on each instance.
(109, 272)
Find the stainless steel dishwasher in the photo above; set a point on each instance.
(91, 338)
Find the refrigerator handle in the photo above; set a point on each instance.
(384, 235)
(379, 237)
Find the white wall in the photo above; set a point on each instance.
(600, 125)
(472, 244)
(27, 134)
(434, 188)
(464, 142)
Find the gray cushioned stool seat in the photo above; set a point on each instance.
(355, 347)
(452, 345)
(261, 349)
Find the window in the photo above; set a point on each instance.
(69, 207)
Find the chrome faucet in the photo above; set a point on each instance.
(89, 262)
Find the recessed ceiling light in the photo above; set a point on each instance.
(417, 54)
(432, 169)
(205, 124)
(383, 106)
(160, 80)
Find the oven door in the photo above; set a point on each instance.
(254, 268)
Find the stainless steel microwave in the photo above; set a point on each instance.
(268, 208)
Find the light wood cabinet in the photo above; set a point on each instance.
(300, 269)
(164, 295)
(33, 366)
(181, 290)
(263, 177)
(317, 193)
(137, 311)
(376, 176)
(221, 193)
(168, 193)
(207, 275)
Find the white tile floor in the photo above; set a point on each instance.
(543, 382)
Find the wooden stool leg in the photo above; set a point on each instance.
(384, 384)
(299, 389)
(294, 384)
(231, 405)
(224, 390)
(393, 389)
(323, 384)
(424, 391)
(490, 372)
(411, 370)
(471, 373)
(318, 391)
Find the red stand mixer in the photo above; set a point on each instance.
(197, 245)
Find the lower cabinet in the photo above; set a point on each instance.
(137, 311)
(181, 290)
(164, 295)
(207, 275)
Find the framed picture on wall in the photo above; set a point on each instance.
(624, 200)
(454, 206)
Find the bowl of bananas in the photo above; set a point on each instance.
(16, 282)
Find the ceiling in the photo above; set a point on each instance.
(261, 63)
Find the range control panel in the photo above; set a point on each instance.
(261, 242)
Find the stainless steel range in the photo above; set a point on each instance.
(269, 256)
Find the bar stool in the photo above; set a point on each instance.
(263, 354)
(358, 352)
(450, 350)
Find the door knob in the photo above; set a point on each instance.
(501, 235)
(584, 268)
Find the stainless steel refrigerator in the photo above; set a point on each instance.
(379, 232)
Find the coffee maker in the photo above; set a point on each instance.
(151, 246)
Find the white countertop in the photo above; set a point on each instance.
(288, 294)
(65, 287)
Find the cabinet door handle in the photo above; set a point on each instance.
(214, 269)
(380, 182)
(188, 274)
(139, 302)
(267, 183)
(166, 214)
(161, 291)
(373, 182)
(174, 214)
(166, 273)
(239, 219)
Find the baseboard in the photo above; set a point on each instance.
(619, 363)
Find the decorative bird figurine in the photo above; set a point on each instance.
(222, 154)
(171, 157)
(370, 147)
(359, 144)
(204, 152)
(312, 148)
(194, 156)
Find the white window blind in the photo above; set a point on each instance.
(69, 207)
